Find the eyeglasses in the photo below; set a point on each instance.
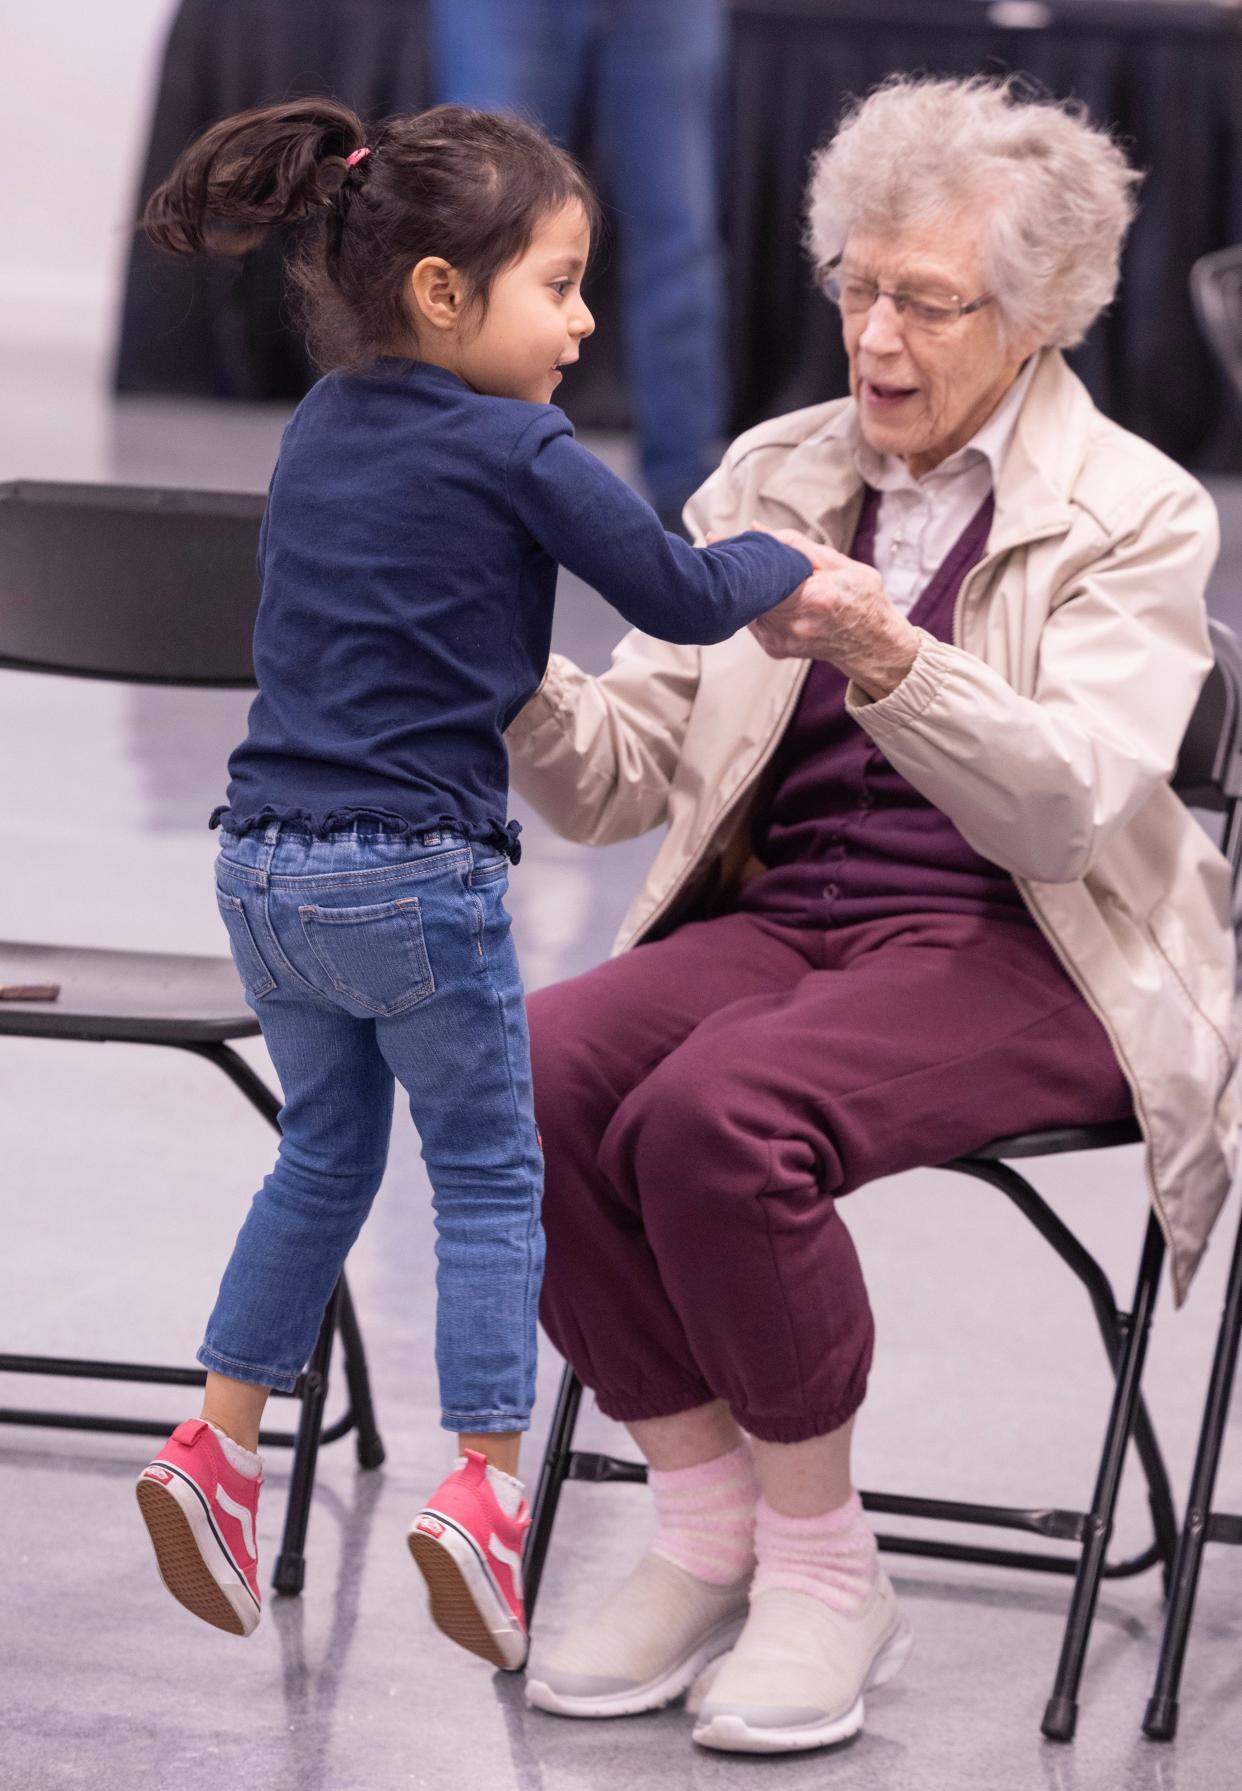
(927, 308)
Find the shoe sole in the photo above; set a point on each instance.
(653, 1694)
(466, 1603)
(734, 1735)
(194, 1562)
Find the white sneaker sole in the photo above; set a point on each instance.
(734, 1735)
(193, 1558)
(653, 1694)
(466, 1603)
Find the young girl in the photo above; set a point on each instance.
(425, 492)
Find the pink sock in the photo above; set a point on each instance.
(832, 1557)
(707, 1516)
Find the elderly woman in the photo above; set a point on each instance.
(924, 882)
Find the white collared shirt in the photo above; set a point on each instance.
(921, 519)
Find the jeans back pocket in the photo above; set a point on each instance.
(254, 973)
(375, 956)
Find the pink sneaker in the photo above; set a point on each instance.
(201, 1514)
(469, 1550)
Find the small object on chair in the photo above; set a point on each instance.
(29, 991)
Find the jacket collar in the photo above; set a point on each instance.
(1045, 457)
(819, 478)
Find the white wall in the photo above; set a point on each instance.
(78, 80)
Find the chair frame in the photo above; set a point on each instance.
(1125, 1334)
(340, 1320)
(1222, 330)
(1201, 1523)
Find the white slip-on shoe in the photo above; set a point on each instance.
(797, 1676)
(642, 1648)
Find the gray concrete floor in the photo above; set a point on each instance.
(124, 1173)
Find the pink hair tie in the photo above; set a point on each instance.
(351, 160)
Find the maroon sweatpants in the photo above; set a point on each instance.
(703, 1101)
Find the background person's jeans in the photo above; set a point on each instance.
(367, 956)
(651, 74)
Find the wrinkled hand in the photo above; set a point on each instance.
(843, 614)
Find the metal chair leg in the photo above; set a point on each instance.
(1147, 1447)
(1061, 1713)
(290, 1571)
(1079, 1260)
(311, 1389)
(369, 1445)
(1160, 1719)
(242, 1076)
(552, 1476)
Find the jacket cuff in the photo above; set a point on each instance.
(883, 717)
(547, 709)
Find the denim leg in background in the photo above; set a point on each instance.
(533, 56)
(653, 72)
(368, 957)
(659, 107)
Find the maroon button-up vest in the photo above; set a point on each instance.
(845, 837)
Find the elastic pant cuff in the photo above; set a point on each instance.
(799, 1428)
(656, 1402)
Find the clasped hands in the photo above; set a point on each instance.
(843, 614)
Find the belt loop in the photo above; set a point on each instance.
(271, 839)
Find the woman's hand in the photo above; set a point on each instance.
(843, 614)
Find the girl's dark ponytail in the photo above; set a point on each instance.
(469, 186)
(269, 166)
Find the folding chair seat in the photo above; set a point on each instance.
(1208, 776)
(153, 587)
(154, 998)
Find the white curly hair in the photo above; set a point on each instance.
(1055, 196)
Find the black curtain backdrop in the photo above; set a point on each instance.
(1167, 75)
(222, 328)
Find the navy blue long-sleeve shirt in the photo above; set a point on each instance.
(409, 555)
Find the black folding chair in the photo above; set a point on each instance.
(1209, 776)
(153, 587)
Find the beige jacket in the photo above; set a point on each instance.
(1046, 732)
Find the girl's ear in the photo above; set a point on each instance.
(437, 294)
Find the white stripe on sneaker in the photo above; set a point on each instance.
(242, 1514)
(511, 1559)
(192, 1485)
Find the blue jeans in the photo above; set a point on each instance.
(654, 73)
(369, 958)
